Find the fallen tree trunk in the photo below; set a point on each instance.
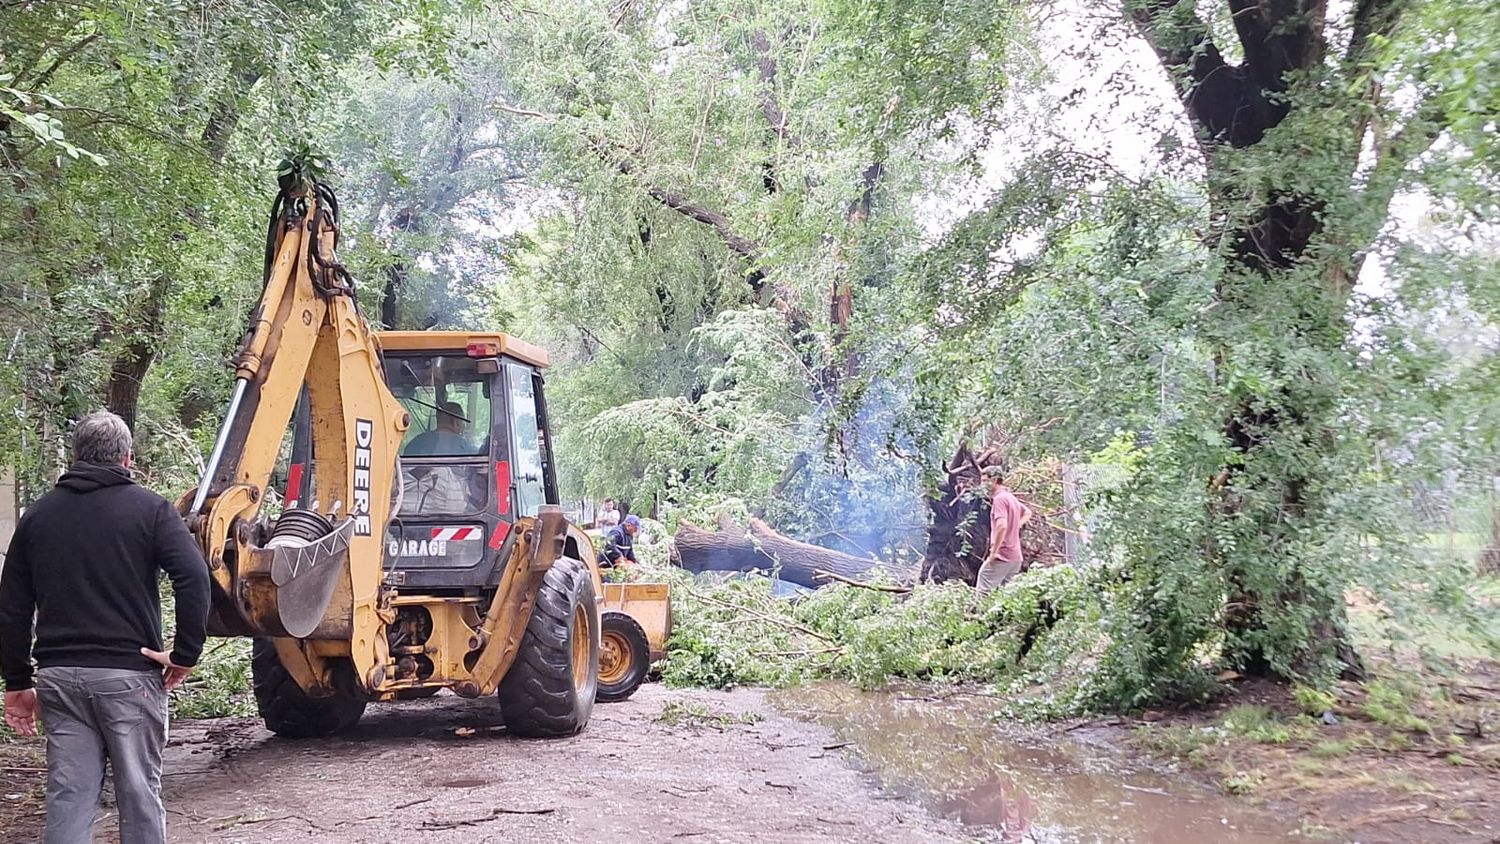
(760, 548)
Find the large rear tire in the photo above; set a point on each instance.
(286, 709)
(624, 657)
(549, 690)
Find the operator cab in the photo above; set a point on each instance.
(474, 459)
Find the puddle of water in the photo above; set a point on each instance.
(1022, 786)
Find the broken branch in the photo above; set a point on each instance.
(819, 574)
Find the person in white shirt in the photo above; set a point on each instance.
(609, 515)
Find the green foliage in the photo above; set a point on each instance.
(219, 686)
(46, 129)
(681, 713)
(756, 241)
(1335, 748)
(137, 143)
(1178, 741)
(739, 633)
(1242, 783)
(1313, 701)
(303, 166)
(1260, 724)
(920, 62)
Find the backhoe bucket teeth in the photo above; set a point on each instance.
(306, 576)
(298, 588)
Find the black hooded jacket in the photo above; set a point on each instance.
(84, 560)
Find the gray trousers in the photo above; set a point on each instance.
(94, 714)
(993, 575)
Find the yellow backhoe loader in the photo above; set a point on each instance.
(419, 544)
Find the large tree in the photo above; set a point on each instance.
(1309, 119)
(137, 144)
(736, 179)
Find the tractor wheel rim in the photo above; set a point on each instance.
(613, 658)
(581, 636)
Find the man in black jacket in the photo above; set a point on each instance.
(84, 561)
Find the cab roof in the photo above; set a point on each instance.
(460, 342)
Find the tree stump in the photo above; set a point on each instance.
(958, 533)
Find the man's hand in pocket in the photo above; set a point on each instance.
(172, 674)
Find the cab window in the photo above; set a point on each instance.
(444, 454)
(449, 402)
(526, 444)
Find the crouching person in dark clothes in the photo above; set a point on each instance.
(84, 561)
(619, 543)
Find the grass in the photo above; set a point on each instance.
(1313, 701)
(1334, 748)
(1262, 725)
(1406, 783)
(1413, 738)
(1178, 741)
(1241, 783)
(1373, 633)
(1388, 704)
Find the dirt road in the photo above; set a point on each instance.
(668, 765)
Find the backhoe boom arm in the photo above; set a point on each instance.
(316, 576)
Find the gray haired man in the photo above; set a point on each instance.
(84, 563)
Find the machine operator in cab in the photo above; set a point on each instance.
(447, 437)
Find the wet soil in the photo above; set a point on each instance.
(23, 771)
(1419, 762)
(820, 763)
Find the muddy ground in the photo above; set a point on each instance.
(906, 764)
(668, 765)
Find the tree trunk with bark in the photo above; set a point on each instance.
(407, 221)
(127, 372)
(759, 547)
(1275, 231)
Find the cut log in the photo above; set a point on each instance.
(760, 548)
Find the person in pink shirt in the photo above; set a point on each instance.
(1007, 515)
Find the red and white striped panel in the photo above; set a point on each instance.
(457, 534)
